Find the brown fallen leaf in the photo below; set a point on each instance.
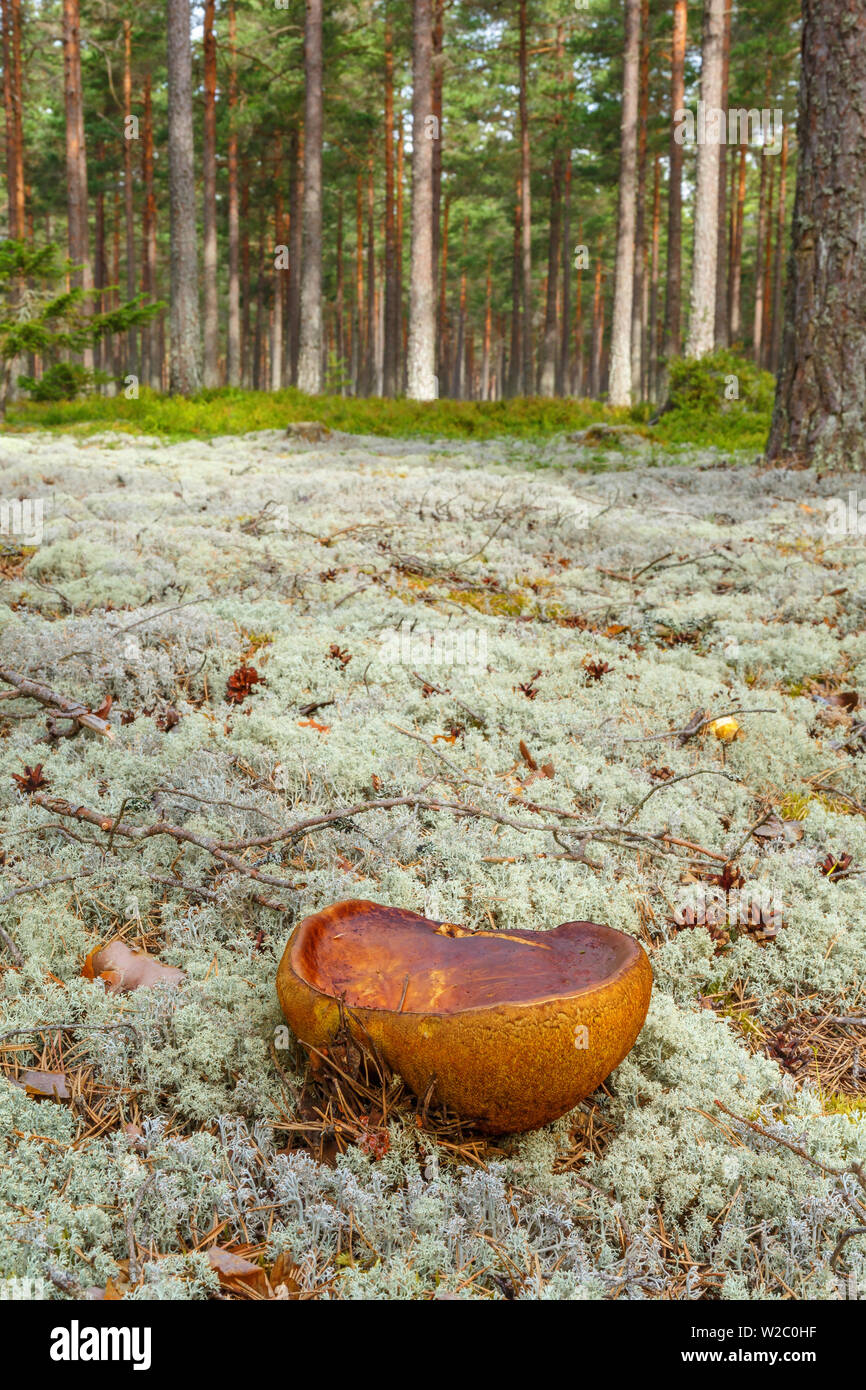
(51, 1084)
(285, 1275)
(774, 828)
(125, 970)
(314, 724)
(236, 1271)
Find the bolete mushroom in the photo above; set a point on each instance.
(509, 1028)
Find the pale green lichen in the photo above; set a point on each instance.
(158, 566)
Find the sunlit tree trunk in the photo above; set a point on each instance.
(310, 353)
(525, 214)
(132, 356)
(638, 307)
(209, 220)
(620, 346)
(720, 331)
(76, 157)
(673, 301)
(233, 338)
(702, 316)
(421, 365)
(185, 372)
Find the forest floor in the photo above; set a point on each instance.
(287, 628)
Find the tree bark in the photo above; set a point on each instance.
(720, 332)
(526, 334)
(233, 338)
(421, 367)
(310, 354)
(758, 307)
(736, 270)
(563, 370)
(778, 268)
(185, 371)
(620, 348)
(133, 364)
(674, 297)
(76, 157)
(820, 409)
(13, 102)
(702, 318)
(277, 316)
(638, 307)
(151, 365)
(653, 327)
(391, 309)
(209, 220)
(547, 373)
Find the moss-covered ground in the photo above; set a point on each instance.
(428, 620)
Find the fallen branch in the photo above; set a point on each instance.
(70, 709)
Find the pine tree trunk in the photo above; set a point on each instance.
(596, 369)
(401, 325)
(444, 332)
(638, 308)
(736, 271)
(547, 373)
(132, 357)
(525, 215)
(296, 241)
(21, 218)
(151, 366)
(279, 272)
(233, 338)
(653, 335)
(185, 373)
(674, 298)
(702, 317)
(310, 354)
(339, 341)
(720, 331)
(246, 311)
(515, 361)
(76, 158)
(11, 134)
(820, 410)
(392, 327)
(778, 267)
(12, 101)
(438, 59)
(361, 334)
(209, 220)
(758, 308)
(620, 348)
(563, 376)
(766, 328)
(579, 386)
(371, 344)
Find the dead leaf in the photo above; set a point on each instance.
(124, 969)
(314, 724)
(50, 1084)
(235, 1271)
(286, 1275)
(776, 829)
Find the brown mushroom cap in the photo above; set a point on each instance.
(514, 1028)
